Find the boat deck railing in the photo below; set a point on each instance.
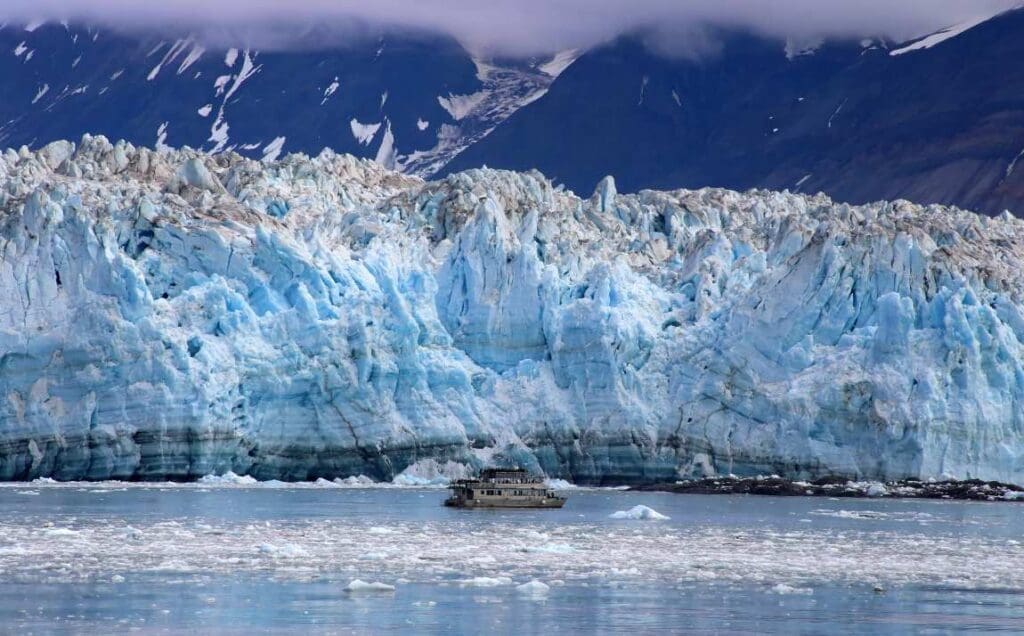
(512, 482)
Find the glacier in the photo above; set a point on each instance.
(168, 314)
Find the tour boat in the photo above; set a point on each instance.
(503, 488)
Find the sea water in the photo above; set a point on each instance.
(242, 558)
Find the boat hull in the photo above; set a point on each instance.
(505, 503)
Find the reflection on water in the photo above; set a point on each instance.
(230, 560)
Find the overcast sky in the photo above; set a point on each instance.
(531, 26)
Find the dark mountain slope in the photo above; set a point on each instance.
(61, 81)
(942, 124)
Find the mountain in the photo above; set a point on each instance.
(936, 120)
(169, 314)
(410, 101)
(940, 120)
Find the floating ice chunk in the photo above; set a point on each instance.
(283, 551)
(851, 514)
(355, 481)
(551, 548)
(877, 489)
(533, 588)
(60, 532)
(173, 565)
(783, 588)
(362, 586)
(228, 478)
(639, 513)
(486, 581)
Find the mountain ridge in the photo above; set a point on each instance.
(942, 122)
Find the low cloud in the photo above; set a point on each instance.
(521, 27)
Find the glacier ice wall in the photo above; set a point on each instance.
(170, 314)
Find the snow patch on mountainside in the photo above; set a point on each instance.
(219, 128)
(330, 90)
(227, 89)
(386, 152)
(273, 149)
(363, 132)
(939, 37)
(561, 61)
(505, 90)
(43, 90)
(458, 106)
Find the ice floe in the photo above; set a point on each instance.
(533, 588)
(358, 585)
(486, 581)
(639, 513)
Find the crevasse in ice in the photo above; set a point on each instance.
(171, 314)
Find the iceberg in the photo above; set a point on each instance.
(533, 588)
(358, 586)
(639, 513)
(170, 314)
(485, 581)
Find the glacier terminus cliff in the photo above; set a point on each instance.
(171, 314)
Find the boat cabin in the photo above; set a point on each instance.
(503, 488)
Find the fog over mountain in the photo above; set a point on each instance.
(522, 28)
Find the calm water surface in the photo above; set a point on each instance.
(176, 559)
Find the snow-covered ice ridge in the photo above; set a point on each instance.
(169, 314)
